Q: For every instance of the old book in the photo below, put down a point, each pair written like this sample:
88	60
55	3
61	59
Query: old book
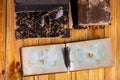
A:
91	12
66	57
41	18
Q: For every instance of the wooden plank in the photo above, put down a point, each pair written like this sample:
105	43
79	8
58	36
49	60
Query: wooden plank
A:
70	17
118	40
30	42
96	74
110	73
73	38
53	76
44	41
93	74
111	31
101	74
79	35
43	77
82	75
35	77
61	76
12	47
2	38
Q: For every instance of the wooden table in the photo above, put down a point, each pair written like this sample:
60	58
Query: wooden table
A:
10	67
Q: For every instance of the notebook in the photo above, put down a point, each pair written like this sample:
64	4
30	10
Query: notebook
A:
41	18
66	57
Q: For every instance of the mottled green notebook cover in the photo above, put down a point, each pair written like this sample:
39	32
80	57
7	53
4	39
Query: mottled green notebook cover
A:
52	59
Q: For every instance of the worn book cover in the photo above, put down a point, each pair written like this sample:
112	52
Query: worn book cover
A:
94	12
41	18
91	12
66	57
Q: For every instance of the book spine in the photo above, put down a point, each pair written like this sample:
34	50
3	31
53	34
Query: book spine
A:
74	9
67	57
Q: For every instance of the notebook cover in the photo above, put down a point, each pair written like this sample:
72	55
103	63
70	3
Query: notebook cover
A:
43	59
51	58
91	54
30	22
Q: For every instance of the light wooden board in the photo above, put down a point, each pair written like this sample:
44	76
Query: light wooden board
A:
13	54
111	31
117	20
96	74
2	39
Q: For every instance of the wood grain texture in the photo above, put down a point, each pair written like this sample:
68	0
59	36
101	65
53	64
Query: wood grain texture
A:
111	31
96	74
30	42
62	76
13	48
43	41
118	41
2	39
80	75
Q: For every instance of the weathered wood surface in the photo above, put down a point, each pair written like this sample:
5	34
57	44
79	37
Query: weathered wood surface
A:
10	54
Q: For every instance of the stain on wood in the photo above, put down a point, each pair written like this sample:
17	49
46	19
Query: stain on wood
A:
17	65
14	71
3	72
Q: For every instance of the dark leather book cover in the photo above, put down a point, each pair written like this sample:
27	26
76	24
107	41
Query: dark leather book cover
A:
94	12
41	18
